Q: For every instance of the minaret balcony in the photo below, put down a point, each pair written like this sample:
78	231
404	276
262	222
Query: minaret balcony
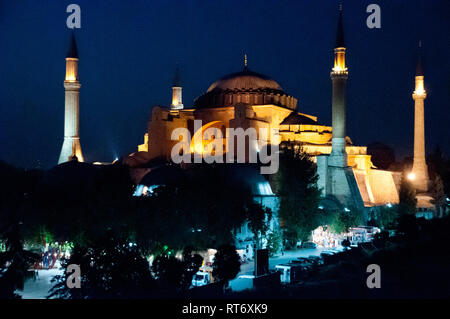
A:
337	72
419	95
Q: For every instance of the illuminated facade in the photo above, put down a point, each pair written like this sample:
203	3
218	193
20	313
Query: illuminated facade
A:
71	145
244	99
248	99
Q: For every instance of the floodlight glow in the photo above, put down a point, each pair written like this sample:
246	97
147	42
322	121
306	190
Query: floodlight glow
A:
411	176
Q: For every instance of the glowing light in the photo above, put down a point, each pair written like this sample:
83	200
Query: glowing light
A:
346	209
339	61
419	91
71	69
411	176
70	77
389	205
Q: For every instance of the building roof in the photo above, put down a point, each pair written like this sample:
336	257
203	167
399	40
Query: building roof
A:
247	87
246	79
296	119
73	51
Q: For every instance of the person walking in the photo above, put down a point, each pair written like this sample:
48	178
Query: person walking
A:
53	258
46	260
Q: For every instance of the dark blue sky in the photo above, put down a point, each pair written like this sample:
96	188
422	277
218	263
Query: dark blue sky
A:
128	50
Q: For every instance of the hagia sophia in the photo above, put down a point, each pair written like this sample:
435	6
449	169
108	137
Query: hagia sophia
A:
248	99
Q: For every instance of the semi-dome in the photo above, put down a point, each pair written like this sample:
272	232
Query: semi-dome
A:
245	87
245	79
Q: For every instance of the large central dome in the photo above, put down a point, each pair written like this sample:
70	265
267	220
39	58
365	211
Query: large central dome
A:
245	80
245	87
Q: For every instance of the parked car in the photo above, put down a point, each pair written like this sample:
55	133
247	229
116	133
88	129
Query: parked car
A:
309	245
201	279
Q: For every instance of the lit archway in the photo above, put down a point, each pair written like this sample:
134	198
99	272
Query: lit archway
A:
199	144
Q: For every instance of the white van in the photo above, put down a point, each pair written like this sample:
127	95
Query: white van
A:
200	279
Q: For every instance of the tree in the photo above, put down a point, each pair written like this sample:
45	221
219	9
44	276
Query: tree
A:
387	218
295	183
168	272
341	221
274	242
439	165
226	264
407	198
192	263
15	262
259	217
202	209
111	267
437	191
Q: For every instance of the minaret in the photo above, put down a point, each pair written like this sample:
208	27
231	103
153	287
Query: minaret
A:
71	146
177	91
339	75
419	174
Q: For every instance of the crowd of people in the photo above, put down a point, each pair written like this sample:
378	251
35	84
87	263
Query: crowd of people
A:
48	259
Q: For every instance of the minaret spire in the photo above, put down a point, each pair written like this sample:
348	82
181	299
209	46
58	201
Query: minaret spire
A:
177	77
73	51
419	173
339	75
340	43
419	68
177	91
71	148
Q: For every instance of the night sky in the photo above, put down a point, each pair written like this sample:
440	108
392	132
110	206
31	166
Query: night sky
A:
128	51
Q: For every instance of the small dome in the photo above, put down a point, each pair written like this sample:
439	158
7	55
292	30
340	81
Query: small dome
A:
246	80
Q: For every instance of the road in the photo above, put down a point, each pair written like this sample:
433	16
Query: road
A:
38	288
238	284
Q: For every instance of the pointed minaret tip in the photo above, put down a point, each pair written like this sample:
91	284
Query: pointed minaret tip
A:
177	77
73	51
340	43
419	68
